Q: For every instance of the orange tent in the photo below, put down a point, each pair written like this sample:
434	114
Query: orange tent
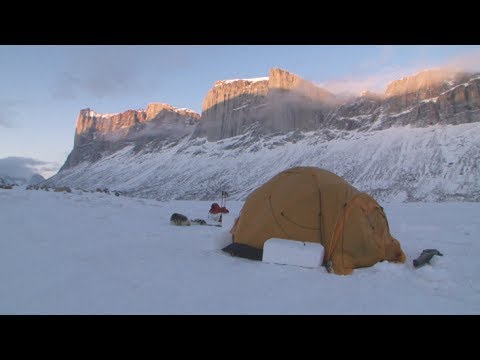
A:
314	205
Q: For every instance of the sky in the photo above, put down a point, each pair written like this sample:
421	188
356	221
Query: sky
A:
43	88
126	258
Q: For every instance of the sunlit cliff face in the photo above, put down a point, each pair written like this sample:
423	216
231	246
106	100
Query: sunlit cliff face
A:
103	124
426	79
278	80
281	102
283	80
229	90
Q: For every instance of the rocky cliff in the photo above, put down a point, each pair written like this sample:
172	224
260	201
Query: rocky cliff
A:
427	98
283	80
424	84
99	133
282	102
231	107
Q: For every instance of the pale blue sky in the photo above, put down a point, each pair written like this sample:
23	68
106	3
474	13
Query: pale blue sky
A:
43	88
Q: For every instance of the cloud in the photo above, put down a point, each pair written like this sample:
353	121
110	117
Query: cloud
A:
381	71
9	112
373	74
20	167
67	86
372	82
106	71
52	168
97	71
466	62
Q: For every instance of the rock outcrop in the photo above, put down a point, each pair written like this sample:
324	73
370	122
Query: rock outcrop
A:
94	126
231	107
281	103
427	98
425	84
280	79
97	133
284	102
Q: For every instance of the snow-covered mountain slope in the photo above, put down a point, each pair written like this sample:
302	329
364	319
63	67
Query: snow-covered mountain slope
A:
418	141
436	163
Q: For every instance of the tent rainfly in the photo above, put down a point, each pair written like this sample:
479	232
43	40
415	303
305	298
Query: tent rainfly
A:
314	205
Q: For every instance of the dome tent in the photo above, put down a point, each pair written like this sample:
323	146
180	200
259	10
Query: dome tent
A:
314	205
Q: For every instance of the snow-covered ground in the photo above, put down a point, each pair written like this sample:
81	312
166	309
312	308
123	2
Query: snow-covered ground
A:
93	253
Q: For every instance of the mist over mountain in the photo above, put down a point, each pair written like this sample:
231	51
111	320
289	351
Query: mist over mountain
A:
20	171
